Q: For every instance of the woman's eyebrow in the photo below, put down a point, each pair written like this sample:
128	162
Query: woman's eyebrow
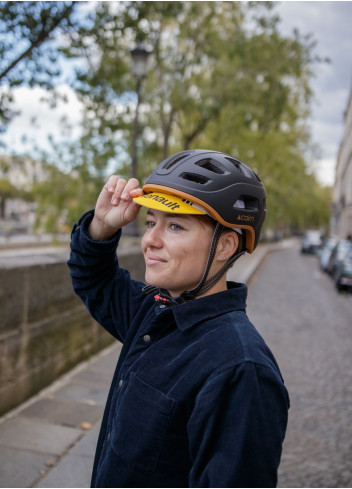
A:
173	215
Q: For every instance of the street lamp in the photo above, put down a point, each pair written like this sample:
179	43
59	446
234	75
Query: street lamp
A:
139	66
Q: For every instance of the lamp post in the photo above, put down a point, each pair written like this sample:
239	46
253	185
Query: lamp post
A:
139	66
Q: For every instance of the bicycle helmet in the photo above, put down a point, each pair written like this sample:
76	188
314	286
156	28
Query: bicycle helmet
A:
214	183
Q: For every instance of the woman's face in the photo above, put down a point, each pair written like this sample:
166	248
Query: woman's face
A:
176	249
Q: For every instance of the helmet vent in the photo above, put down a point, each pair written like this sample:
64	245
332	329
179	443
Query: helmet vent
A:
192	177
212	166
173	160
250	203
241	167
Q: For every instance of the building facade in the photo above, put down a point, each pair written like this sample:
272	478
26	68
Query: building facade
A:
341	218
20	173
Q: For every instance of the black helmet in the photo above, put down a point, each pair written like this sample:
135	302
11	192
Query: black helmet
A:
226	188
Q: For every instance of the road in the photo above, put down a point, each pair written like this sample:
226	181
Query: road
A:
308	326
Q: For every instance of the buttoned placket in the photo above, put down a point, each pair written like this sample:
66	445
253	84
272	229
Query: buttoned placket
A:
148	335
116	394
147	340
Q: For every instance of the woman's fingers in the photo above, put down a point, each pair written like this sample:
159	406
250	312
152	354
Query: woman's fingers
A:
115	206
131	185
120	189
111	183
138	192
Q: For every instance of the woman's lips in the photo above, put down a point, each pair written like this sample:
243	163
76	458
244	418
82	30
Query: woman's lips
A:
151	260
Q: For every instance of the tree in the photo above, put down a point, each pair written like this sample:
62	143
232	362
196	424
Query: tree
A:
7	191
207	67
69	189
28	53
222	76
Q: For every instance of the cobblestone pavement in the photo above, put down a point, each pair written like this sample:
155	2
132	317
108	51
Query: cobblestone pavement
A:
308	326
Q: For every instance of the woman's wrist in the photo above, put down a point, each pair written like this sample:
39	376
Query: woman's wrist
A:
99	231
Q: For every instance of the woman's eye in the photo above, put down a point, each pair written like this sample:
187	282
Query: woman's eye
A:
150	224
175	227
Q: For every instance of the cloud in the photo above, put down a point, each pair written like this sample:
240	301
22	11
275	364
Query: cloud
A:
330	25
325	170
37	120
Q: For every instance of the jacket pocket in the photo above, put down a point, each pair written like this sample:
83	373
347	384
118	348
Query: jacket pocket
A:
140	424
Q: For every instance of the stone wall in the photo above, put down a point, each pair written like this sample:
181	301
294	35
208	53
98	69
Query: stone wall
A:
45	329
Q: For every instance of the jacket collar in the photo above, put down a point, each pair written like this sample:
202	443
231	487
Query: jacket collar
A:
194	312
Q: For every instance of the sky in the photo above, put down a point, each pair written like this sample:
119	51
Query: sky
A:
329	22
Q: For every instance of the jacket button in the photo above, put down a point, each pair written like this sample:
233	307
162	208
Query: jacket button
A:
108	436
146	338
120	383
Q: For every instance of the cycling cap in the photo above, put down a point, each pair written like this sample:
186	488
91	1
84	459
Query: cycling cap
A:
222	186
168	203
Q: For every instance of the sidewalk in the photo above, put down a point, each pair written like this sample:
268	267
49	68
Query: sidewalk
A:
50	440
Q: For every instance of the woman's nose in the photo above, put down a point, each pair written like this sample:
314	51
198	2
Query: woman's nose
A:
152	237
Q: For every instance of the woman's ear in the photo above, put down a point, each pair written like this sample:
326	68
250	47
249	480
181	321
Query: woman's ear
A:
227	245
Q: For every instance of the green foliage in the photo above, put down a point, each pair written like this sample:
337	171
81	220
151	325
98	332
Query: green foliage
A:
28	53
70	188
221	76
9	191
6	189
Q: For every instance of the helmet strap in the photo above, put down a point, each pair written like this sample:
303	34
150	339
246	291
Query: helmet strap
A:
193	293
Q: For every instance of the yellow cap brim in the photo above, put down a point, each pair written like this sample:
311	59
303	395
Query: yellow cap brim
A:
167	203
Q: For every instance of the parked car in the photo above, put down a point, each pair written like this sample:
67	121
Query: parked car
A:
343	273
311	241
325	252
339	252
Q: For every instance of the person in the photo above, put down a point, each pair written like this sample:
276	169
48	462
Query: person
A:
197	398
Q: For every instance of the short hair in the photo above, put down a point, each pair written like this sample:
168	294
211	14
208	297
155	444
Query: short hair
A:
241	237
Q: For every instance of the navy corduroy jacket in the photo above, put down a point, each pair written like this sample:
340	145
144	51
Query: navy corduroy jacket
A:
197	399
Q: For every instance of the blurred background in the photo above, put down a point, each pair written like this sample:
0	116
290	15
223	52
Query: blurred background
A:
93	88
88	89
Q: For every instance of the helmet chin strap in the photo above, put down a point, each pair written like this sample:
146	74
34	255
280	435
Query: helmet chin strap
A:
205	284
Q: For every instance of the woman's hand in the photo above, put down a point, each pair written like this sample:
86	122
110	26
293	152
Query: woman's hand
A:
115	207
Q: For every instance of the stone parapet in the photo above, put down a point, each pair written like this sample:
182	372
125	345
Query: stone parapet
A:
45	329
